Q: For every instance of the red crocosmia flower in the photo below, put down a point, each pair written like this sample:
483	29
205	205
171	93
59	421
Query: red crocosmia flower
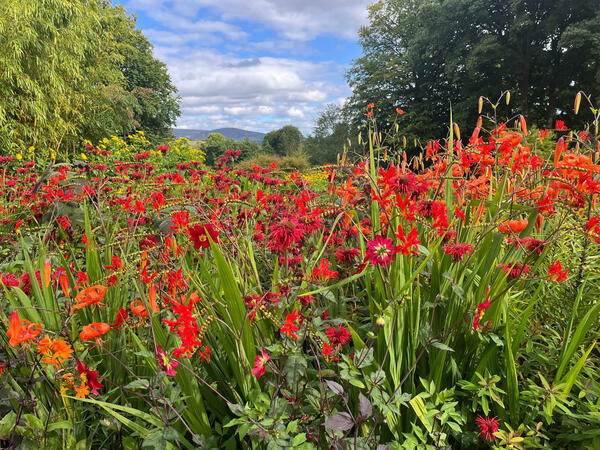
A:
166	363
327	352
556	273
458	251
94	330
120	319
407	241
289	327
181	220
487	427
260	364
380	251
91	377
18	225
321	273
338	336
560	125
21	330
199	235
89	296
480	313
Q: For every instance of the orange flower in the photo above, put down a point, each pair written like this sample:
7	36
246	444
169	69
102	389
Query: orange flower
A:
513	226
47	273
89	296
94	330
20	331
63	279
138	308
55	352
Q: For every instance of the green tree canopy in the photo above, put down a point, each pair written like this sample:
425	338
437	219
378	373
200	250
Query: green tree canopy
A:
330	136
286	141
420	55
75	69
216	144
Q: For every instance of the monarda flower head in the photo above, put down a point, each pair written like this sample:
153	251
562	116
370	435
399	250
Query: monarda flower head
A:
284	234
458	251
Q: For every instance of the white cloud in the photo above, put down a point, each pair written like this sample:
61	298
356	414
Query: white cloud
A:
200	41
299	20
263	93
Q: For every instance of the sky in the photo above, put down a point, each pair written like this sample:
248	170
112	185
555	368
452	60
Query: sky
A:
253	64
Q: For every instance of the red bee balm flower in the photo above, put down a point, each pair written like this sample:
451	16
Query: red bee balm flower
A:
199	235
380	251
338	336
487	427
260	364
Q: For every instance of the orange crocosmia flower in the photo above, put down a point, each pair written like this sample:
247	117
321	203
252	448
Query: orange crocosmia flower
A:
513	226
20	331
89	296
47	273
138	308
94	330
55	351
63	280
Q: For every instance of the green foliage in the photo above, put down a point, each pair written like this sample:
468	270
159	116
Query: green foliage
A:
215	145
330	136
424	55
74	69
286	141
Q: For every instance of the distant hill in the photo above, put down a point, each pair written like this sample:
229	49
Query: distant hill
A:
229	133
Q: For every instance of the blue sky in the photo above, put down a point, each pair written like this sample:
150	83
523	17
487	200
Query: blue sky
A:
254	64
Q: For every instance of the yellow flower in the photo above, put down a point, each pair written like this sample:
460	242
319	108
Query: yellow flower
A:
31	149
83	156
19	156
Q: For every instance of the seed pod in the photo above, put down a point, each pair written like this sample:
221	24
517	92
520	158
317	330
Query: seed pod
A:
457	131
577	103
380	322
507	97
523	124
480	108
404	141
479	121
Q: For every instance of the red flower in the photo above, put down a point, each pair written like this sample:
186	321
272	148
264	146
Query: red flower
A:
487	427
338	336
556	273
94	330
514	270
91	377
166	363
284	234
458	251
322	273
407	241
260	364
560	125
120	318
289	327
380	251
199	235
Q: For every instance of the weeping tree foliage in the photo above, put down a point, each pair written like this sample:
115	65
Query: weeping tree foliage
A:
62	74
420	55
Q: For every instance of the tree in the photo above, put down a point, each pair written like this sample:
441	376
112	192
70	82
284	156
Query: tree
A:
286	141
147	79
421	55
329	137
75	69
216	144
